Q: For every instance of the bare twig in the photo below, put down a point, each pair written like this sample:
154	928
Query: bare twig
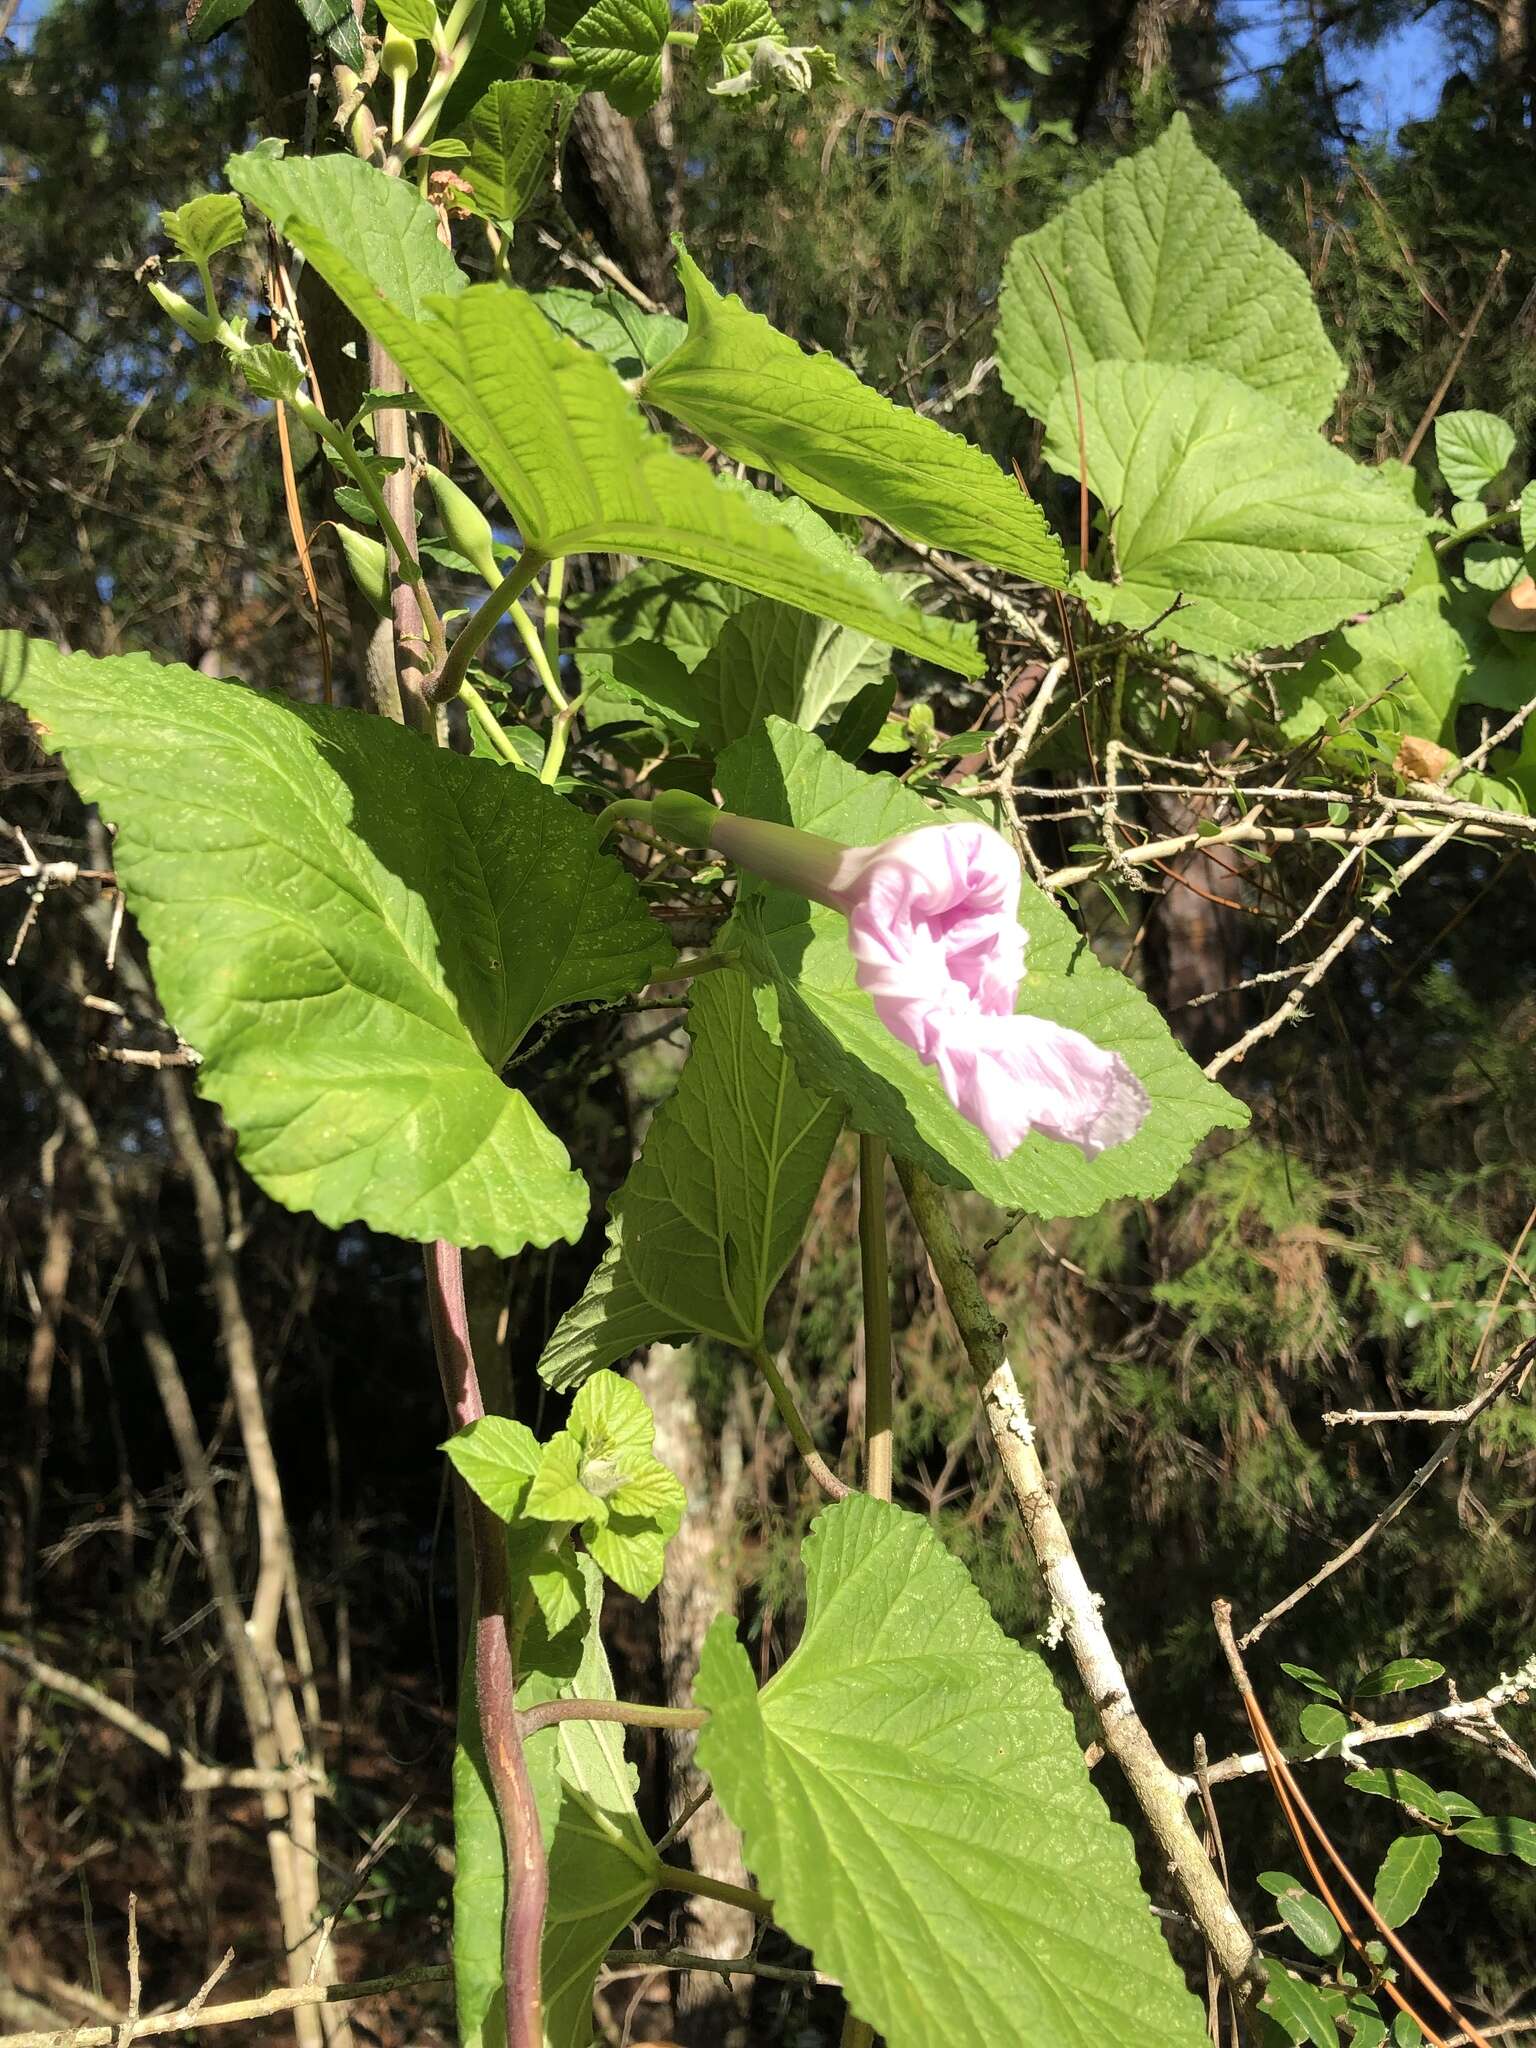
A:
1338	944
1512	1369
1464	342
290	1998
196	1775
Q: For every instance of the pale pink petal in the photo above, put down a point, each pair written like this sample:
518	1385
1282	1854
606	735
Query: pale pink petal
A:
933	927
1013	1075
936	914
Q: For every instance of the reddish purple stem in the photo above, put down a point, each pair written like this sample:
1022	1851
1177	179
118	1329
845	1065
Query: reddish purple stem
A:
495	1675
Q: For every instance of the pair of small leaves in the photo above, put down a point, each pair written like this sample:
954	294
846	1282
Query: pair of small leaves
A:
600	1474
1401	1674
1407	1871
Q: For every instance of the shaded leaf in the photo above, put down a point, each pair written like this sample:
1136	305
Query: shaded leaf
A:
513	135
509	30
602	1867
627	339
715	1206
1298	2006
1503	1834
1402	1786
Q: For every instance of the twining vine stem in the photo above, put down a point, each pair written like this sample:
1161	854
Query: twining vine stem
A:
795	1423
495	1673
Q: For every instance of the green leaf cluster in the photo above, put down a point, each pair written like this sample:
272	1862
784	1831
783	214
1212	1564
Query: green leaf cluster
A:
599	1475
1174	351
551	426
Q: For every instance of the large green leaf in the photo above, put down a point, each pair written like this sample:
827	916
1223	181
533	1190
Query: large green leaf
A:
617	45
343	921
712	1212
561	439
1219	496
811	1002
757	395
602	1867
1160	262
513	133
915	1803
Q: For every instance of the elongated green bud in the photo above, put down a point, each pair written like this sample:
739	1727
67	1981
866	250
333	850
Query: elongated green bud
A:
201	326
465	524
369	562
397	53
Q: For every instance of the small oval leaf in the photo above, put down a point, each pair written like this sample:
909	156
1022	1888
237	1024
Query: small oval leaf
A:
1407	1871
1401	1675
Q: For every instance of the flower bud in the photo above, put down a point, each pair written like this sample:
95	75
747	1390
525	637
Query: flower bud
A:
369	563
465	525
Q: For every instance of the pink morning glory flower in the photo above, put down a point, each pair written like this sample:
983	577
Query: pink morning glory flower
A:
933	925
